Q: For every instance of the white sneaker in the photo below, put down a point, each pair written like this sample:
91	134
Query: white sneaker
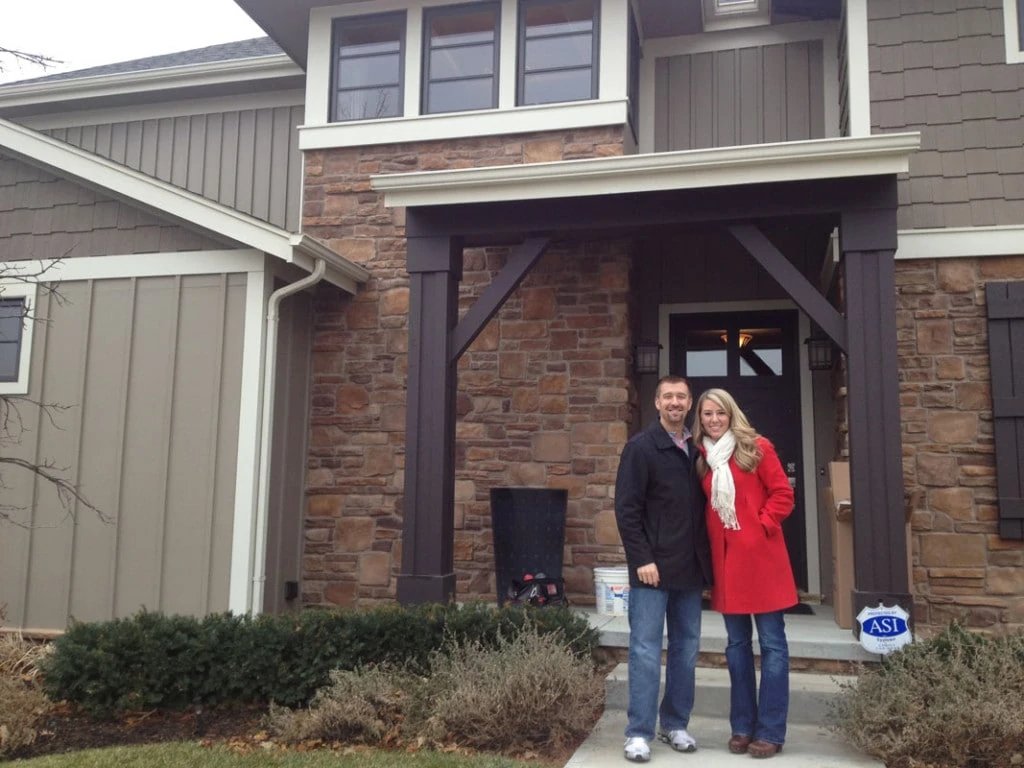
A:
637	749
679	740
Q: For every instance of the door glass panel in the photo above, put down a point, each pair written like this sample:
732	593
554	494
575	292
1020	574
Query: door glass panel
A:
760	352
706	353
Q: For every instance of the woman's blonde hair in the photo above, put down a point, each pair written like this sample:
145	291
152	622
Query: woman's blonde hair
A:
747	454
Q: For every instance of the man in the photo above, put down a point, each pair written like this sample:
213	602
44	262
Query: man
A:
659	507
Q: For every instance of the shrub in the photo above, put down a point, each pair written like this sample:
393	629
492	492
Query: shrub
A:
21	701
530	690
954	700
151	660
361	706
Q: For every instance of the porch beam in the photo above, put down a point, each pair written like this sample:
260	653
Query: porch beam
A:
434	264
876	461
802	291
520	262
637	213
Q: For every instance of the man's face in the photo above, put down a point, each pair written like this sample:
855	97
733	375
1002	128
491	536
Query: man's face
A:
673	403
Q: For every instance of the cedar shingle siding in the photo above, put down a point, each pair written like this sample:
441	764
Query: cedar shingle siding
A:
940	68
1006	349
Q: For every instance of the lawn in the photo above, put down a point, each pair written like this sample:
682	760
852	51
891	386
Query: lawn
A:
195	755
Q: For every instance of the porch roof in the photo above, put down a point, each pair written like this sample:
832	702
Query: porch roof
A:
845	157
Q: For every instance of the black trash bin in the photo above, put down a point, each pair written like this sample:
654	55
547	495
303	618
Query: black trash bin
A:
529	533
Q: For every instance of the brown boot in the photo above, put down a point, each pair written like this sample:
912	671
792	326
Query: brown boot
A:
738	744
762	749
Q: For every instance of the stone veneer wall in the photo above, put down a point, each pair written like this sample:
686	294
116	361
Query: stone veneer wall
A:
545	397
962	569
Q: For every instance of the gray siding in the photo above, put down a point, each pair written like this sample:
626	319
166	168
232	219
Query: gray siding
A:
45	217
149	370
744	96
246	159
288	459
940	69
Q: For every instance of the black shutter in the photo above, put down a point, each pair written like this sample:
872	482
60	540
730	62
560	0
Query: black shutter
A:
1006	354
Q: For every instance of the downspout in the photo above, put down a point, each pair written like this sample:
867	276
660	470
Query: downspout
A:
258	557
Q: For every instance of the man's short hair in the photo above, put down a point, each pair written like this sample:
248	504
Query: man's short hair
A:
670	379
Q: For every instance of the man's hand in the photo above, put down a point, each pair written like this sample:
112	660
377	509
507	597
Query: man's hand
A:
648	574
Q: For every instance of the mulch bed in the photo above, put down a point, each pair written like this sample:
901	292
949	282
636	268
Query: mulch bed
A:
67	728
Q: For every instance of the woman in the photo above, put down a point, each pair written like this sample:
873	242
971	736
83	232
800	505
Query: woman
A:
748	498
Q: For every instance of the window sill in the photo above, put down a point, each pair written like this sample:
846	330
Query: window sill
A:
456	125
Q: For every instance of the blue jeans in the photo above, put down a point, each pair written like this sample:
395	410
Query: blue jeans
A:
648	610
760	715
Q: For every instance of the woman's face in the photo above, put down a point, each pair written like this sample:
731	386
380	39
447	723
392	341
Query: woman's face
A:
713	419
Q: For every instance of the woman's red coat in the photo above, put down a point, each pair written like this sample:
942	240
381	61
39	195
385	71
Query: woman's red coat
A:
751	566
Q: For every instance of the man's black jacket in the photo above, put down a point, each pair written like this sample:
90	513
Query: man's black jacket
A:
659	507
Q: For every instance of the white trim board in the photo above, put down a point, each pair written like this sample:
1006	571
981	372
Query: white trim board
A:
461	125
243	532
960	242
248	70
214	104
140	265
176	203
858	73
690	169
1011	36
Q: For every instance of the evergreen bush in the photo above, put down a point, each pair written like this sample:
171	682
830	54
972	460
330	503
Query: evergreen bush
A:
155	661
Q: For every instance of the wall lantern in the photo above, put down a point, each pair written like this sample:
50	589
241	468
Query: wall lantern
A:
647	357
820	353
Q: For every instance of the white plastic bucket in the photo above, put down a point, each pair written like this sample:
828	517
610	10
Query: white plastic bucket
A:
611	586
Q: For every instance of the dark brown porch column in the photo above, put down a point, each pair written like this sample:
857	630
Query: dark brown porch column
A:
868	240
428	534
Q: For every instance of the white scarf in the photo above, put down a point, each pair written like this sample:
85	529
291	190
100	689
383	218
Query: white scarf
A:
723	488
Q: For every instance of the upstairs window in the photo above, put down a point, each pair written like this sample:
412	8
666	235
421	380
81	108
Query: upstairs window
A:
558	46
368	63
460	61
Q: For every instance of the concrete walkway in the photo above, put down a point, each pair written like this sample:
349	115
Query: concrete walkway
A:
809	744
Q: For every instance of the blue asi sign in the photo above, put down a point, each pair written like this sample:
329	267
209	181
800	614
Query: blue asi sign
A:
884	629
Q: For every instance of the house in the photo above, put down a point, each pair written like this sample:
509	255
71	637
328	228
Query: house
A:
505	204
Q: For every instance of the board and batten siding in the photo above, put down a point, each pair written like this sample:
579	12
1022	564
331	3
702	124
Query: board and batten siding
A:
752	95
46	217
246	159
147	374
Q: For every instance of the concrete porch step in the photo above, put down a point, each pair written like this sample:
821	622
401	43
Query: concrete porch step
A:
807	746
810	695
813	637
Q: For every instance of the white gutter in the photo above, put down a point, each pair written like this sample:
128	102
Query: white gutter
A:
843	157
258	550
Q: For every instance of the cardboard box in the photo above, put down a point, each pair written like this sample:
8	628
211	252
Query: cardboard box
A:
836	499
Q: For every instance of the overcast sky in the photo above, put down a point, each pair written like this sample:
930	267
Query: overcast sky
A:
85	33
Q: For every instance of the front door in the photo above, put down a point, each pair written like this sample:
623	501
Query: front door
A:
754	356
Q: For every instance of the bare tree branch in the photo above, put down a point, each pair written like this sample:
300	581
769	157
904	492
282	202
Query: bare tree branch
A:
14	426
25	58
